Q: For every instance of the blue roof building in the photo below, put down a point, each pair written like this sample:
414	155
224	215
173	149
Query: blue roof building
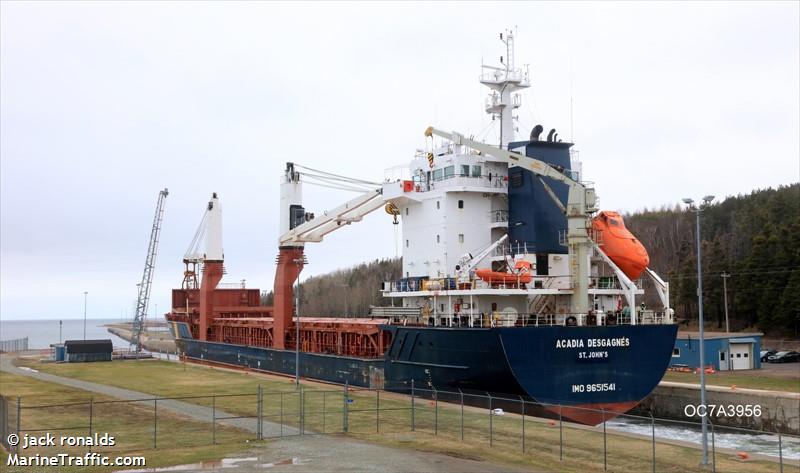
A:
723	351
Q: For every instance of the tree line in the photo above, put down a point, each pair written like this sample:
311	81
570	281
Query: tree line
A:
755	238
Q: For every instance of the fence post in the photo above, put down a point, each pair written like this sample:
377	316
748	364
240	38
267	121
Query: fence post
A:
713	449
19	419
605	443
281	414
323	411
378	411
560	434
302	411
462	413
522	401
412	406
653	427
780	451
435	412
213	419
260	404
491	421
345	425
91	414
155	422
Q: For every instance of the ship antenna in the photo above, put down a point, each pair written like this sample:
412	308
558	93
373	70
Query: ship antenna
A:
504	81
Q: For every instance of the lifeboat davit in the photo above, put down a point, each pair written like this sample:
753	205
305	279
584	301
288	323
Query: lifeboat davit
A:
620	245
520	275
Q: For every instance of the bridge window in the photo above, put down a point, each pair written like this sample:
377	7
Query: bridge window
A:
465	170
460	204
476	171
449	171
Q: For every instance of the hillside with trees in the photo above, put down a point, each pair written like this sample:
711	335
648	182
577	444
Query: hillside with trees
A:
755	238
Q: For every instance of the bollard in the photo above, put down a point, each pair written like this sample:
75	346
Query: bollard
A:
412	406
213	419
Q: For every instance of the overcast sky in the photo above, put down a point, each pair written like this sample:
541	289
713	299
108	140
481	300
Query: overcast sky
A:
104	104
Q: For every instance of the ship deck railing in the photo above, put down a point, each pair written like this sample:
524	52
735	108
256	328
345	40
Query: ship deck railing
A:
551	283
500	319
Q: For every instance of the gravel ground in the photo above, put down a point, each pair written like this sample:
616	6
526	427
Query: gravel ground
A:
309	453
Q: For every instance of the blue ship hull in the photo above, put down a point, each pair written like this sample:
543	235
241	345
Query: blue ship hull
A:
611	367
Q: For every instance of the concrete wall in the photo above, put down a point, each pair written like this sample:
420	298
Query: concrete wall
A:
780	412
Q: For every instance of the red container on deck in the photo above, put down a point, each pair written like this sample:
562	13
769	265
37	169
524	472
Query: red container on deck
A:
408	186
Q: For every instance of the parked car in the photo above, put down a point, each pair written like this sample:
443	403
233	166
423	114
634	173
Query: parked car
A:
766	354
784	357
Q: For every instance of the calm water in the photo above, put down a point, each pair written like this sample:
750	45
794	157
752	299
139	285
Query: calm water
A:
41	333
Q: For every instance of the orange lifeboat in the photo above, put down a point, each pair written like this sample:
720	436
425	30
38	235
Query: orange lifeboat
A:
520	275
620	245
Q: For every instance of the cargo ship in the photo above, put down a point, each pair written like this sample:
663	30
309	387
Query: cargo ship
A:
513	282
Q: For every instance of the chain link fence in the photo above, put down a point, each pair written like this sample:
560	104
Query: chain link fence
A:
483	421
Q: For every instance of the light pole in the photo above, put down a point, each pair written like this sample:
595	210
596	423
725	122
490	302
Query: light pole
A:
725	277
85	295
60	326
697	209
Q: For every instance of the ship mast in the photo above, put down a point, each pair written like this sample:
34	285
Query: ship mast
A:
504	81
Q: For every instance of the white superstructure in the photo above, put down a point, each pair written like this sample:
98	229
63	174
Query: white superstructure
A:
459	266
456	203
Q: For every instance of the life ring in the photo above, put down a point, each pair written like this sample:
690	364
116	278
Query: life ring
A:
571	321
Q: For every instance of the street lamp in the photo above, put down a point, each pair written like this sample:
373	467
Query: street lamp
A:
85	294
697	209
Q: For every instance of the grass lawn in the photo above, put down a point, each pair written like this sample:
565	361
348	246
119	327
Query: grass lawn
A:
180	440
583	447
731	378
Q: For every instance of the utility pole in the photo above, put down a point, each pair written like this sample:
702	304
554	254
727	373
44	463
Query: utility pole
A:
697	210
725	276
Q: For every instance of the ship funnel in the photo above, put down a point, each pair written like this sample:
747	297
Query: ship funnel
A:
537	130
550	134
